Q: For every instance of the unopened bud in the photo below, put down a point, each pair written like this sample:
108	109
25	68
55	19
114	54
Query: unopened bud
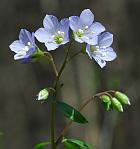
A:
106	102
122	98
43	94
116	104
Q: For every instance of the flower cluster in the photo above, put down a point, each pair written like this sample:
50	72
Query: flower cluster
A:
54	34
115	102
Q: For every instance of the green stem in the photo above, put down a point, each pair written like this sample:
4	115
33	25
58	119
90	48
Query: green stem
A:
49	56
58	75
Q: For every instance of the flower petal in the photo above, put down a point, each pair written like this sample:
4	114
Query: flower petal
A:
50	22
78	39
31	51
42	35
88	51
86	17
100	61
64	25
74	23
20	55
25	37
91	41
108	54
66	40
96	28
105	39
16	46
33	37
25	60
51	46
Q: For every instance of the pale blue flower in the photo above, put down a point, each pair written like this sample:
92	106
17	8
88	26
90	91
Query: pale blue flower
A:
102	52
84	27
24	47
54	33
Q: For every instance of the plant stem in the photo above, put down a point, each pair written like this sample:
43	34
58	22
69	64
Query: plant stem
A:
53	146
58	75
87	101
49	56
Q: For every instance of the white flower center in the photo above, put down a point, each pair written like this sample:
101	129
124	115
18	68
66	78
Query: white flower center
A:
103	54
28	43
80	33
26	48
87	38
58	37
97	48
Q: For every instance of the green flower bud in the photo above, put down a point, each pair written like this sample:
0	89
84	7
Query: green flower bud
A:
122	98
116	104
43	94
106	102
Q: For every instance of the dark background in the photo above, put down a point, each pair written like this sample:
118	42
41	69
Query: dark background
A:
24	121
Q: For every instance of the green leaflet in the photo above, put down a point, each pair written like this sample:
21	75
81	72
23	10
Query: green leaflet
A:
41	145
70	112
75	144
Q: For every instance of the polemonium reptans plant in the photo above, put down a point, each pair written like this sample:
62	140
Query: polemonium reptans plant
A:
97	41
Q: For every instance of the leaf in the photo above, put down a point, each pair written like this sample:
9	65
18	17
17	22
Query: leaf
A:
41	145
71	112
75	144
71	145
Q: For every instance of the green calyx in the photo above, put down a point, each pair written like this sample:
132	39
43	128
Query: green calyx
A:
38	53
122	98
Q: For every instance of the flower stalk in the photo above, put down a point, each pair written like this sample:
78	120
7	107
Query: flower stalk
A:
58	75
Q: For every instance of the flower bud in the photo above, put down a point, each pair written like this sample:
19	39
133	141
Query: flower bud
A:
106	102
116	104
43	94
122	98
